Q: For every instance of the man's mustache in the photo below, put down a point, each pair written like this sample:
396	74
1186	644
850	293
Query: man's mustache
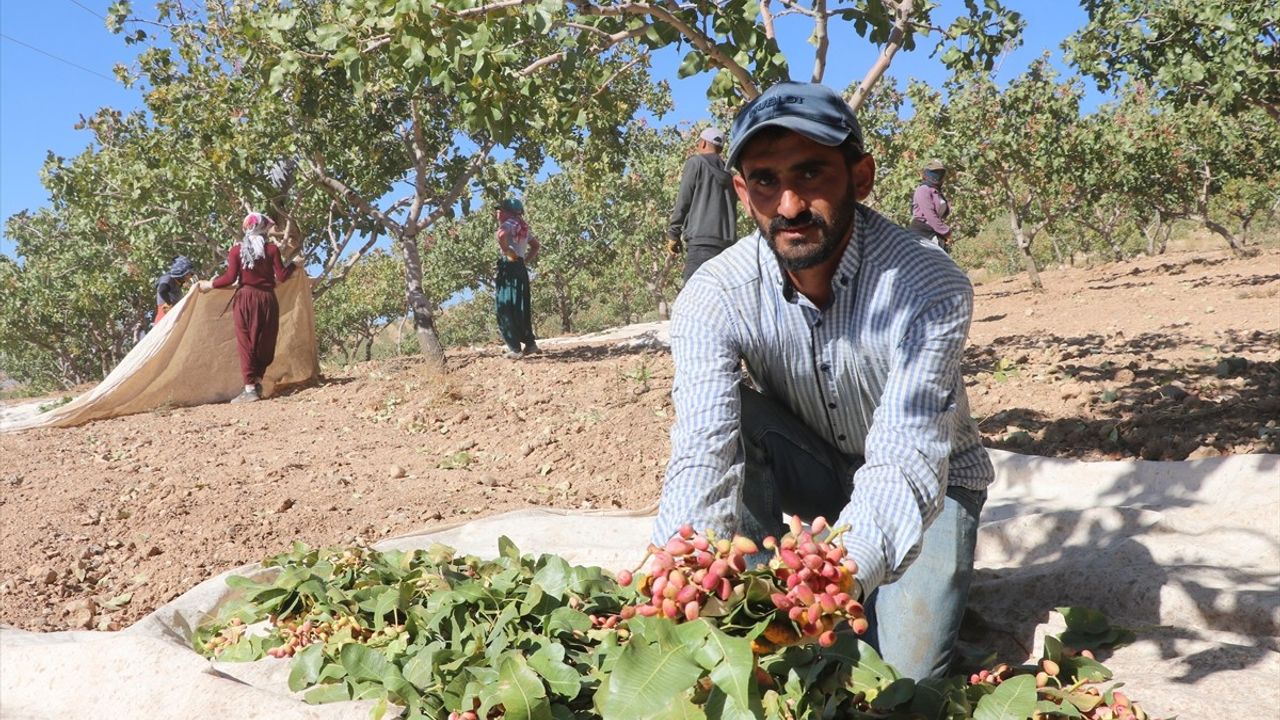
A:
808	218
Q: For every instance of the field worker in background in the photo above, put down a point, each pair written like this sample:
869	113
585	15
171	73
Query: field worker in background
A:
852	333
704	218
255	263
929	207
519	249
169	287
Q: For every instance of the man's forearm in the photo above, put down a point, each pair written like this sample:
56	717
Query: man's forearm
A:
887	515
700	487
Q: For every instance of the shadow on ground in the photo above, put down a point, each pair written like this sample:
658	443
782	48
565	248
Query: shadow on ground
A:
1154	411
1095	550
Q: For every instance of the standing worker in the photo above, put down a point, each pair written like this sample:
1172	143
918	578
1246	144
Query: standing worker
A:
255	263
169	286
519	249
704	218
929	207
852	333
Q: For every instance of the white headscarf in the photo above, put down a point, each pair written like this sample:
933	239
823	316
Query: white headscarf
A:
253	246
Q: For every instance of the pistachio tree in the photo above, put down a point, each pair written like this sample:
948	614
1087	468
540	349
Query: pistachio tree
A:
446	87
1224	52
1019	146
1248	200
69	307
1109	181
1190	155
352	313
80	289
902	146
240	135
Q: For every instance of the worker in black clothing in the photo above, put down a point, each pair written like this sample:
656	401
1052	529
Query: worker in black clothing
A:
704	219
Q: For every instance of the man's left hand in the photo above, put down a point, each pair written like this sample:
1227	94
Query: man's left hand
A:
674	246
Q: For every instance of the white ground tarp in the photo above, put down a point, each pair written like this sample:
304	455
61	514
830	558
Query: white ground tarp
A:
1185	553
188	358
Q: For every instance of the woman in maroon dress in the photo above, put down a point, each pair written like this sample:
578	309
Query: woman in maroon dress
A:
255	264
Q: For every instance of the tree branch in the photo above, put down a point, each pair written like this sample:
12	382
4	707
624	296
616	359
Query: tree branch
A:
613	40
696	37
902	15
605	85
338	190
330	280
588	28
766	15
792	8
418	146
820	33
488	8
459	185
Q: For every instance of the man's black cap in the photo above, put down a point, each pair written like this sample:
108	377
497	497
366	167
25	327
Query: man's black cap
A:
813	110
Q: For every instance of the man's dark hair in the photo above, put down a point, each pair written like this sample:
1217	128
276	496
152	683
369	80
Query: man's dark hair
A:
850	148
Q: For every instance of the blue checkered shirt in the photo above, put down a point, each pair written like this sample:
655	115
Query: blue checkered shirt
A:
877	374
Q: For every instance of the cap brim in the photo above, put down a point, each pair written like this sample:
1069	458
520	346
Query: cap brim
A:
820	133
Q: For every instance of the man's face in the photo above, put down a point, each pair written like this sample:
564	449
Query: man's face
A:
801	194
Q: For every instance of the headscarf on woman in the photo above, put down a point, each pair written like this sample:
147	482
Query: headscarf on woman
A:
253	246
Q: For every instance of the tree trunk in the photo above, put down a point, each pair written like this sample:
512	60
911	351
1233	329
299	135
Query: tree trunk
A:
657	288
1117	252
1157	232
564	305
1024	245
424	323
368	349
400	336
1030	264
1107	227
1226	234
566	318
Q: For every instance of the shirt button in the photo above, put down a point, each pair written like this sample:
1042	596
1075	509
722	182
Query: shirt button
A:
844	279
842	438
817	323
831	406
824	367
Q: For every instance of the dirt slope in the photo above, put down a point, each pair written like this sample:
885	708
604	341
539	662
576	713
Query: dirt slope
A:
1159	358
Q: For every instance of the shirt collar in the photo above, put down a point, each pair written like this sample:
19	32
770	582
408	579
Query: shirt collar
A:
845	272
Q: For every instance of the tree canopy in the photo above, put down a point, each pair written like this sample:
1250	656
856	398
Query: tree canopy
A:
357	123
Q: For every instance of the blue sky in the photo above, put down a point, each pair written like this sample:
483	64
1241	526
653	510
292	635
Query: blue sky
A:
56	58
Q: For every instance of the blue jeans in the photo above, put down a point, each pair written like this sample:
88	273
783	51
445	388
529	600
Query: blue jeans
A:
788	468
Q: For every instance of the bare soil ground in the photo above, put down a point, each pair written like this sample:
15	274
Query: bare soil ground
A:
1160	358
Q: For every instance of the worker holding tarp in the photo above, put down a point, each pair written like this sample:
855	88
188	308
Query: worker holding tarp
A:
255	264
170	286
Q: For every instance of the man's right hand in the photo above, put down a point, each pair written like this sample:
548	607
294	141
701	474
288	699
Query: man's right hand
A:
674	246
